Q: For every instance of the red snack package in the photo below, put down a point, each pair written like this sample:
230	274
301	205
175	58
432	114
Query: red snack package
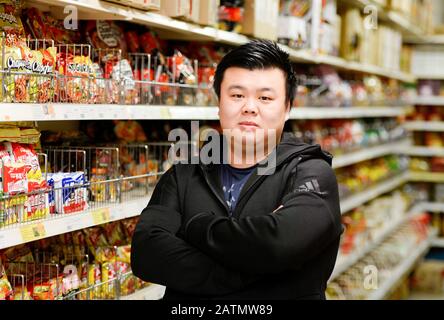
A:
149	42
132	40
105	34
37	24
14	179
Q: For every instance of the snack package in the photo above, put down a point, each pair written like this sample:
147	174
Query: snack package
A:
5	287
95	277
11	134
109	272
129	131
12	210
67	198
123	254
14	178
105	254
95	239
48	289
71	280
21	293
102	34
51	193
28	136
128	285
113	233
76	71
10	22
129	225
37	202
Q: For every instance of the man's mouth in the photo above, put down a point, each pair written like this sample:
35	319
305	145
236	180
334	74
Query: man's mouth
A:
248	124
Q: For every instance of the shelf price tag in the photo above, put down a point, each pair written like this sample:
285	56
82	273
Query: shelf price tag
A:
101	216
33	232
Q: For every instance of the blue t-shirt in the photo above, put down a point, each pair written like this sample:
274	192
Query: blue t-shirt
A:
233	180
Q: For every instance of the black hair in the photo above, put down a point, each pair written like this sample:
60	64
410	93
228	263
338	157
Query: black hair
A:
258	54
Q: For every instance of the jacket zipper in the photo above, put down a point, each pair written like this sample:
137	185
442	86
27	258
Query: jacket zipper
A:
215	192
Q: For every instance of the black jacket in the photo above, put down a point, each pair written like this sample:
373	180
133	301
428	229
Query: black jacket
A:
186	241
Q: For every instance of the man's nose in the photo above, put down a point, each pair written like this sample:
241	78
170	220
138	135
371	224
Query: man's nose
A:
249	106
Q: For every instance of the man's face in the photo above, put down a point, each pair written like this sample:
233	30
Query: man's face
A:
251	100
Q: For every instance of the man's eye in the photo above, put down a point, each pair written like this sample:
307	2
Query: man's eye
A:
237	96
264	98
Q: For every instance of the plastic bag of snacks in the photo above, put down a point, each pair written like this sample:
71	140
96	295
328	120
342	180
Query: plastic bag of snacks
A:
75	70
69	196
50	289
5	287
37	203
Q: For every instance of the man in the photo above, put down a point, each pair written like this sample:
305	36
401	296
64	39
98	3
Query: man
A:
224	231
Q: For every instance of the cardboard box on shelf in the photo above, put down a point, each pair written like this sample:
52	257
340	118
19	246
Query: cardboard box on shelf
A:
182	9
293	29
139	4
260	18
208	12
175	8
352	35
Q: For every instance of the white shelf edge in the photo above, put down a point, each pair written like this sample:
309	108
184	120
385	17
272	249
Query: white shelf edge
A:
437	126
354	257
371	193
433	206
152	292
437	243
11	235
369	153
402	269
429	101
434	177
420	151
427	40
73	111
345	112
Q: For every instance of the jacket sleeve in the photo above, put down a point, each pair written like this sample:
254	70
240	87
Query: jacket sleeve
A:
158	255
308	222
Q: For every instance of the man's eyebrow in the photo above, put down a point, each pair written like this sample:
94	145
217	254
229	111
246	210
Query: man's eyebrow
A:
236	86
241	87
266	89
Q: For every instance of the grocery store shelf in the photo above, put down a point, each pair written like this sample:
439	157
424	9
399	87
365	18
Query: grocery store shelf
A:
425	126
175	29
369	153
59	224
426	39
403	269
360	253
371	193
346	112
418	176
152	292
433	206
422	151
364	68
437	243
72	111
429	101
